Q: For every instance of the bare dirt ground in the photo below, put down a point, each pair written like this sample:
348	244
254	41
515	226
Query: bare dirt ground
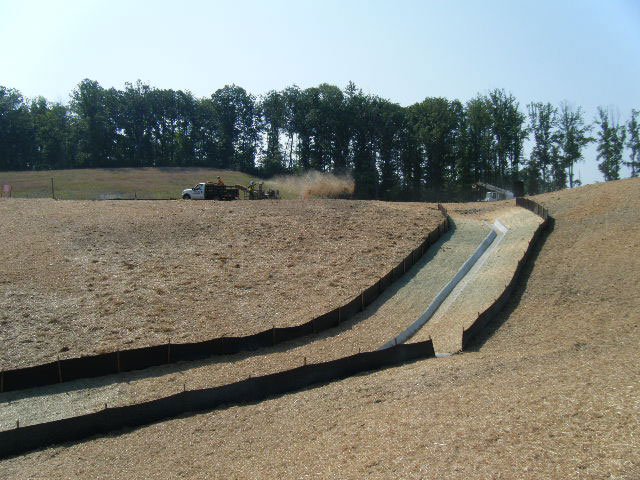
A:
552	390
82	277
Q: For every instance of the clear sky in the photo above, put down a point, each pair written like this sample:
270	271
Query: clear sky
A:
583	52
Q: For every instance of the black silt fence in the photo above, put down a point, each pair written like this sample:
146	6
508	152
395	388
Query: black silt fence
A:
284	334
417	254
533	206
386	281
398	271
36	376
145	357
92	366
371	294
350	309
328	320
408	262
27	438
190	351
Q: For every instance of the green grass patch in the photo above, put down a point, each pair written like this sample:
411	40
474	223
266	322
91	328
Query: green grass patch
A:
128	183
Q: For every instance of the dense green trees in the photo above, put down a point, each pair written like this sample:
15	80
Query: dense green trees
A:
433	150
611	138
559	139
17	142
53	146
573	136
633	127
543	166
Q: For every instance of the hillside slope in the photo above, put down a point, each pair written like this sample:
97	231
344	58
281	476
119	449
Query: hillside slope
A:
552	391
84	277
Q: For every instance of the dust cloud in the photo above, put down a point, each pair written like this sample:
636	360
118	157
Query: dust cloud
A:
316	185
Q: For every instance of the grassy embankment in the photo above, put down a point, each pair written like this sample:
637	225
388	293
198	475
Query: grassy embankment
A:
93	184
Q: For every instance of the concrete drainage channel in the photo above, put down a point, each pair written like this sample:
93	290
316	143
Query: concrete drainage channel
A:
479	256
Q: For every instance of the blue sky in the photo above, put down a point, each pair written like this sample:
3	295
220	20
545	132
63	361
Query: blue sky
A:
583	52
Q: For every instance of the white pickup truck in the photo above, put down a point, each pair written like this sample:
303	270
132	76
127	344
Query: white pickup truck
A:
210	191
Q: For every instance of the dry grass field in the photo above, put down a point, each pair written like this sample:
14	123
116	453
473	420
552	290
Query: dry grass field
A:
83	277
105	183
551	391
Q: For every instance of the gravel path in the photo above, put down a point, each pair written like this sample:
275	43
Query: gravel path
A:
398	307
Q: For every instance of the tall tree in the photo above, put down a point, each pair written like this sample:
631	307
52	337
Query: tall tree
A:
187	133
390	125
298	106
633	127
51	130
436	123
365	118
544	158
17	146
328	125
208	135
95	114
573	136
611	137
410	165
136	123
273	108
478	145
237	118
163	126
509	133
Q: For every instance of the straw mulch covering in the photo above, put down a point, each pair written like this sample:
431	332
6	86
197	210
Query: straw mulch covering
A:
390	314
87	277
550	392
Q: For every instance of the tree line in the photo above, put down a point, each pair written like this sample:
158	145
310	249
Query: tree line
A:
433	150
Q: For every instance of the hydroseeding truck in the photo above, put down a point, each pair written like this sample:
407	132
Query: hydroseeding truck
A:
210	191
